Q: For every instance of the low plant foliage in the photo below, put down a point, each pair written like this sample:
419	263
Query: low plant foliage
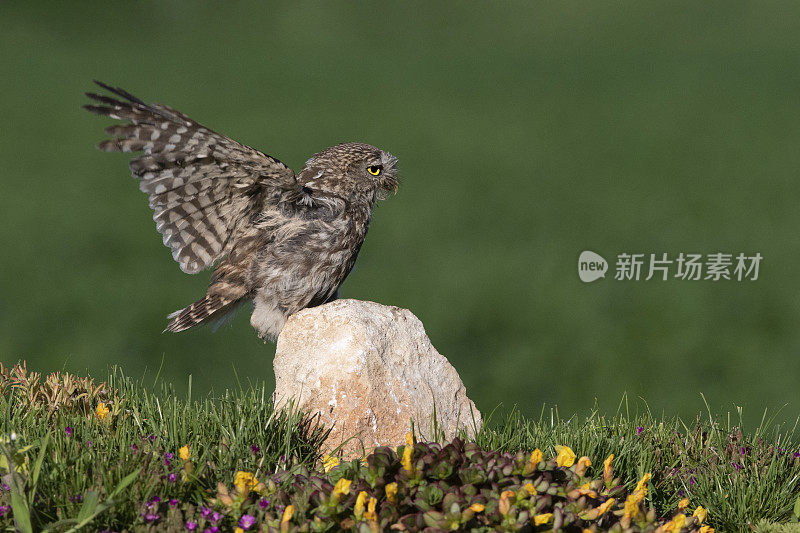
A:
120	456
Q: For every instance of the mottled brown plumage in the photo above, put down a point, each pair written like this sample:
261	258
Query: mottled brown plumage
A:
285	241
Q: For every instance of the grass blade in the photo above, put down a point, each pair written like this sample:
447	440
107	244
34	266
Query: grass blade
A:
127	480
37	468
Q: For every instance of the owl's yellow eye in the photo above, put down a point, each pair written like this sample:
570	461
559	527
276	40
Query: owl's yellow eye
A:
375	170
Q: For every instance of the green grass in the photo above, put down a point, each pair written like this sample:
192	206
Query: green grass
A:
739	477
742	477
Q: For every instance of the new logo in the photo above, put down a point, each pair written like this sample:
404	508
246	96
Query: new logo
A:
591	266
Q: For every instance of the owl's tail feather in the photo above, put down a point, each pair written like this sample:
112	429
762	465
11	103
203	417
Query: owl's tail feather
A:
212	308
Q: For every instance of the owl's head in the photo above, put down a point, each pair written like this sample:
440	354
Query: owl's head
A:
351	169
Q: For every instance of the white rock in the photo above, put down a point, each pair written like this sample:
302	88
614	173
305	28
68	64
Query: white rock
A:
368	370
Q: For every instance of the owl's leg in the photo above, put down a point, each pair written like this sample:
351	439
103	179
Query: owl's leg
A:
334	296
268	318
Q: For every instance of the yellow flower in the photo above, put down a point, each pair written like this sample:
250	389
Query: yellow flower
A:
530	488
607	472
410	439
239	530
504	505
342	487
631	508
370	514
706	529
700	513
565	457
477	507
540	519
583	463
244	481
587	492
184	453
102	411
391	492
359	508
683	504
642	485
536	457
407	457
604	507
287	513
329	462
676	524
632	504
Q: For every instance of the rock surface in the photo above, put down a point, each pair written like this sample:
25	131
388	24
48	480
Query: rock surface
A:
368	370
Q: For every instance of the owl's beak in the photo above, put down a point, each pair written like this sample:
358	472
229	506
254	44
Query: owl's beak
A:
391	184
387	187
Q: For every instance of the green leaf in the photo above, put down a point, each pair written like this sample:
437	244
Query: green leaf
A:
22	516
90	500
796	511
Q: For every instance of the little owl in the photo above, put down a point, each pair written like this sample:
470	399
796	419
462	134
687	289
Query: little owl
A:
285	241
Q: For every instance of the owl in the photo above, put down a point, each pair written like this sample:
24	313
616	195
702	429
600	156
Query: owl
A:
279	239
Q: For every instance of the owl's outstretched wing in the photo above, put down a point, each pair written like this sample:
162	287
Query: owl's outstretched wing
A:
204	187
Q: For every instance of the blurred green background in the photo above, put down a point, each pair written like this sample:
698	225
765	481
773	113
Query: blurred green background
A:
526	133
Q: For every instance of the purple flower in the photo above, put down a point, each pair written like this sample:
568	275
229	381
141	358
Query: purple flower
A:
68	431
216	517
639	430
247	521
76	499
172	478
5	487
737	466
742	451
134	448
691	480
173	502
796	455
255	449
89	445
283	458
151	517
212	529
264	503
205	512
4	509
191	526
